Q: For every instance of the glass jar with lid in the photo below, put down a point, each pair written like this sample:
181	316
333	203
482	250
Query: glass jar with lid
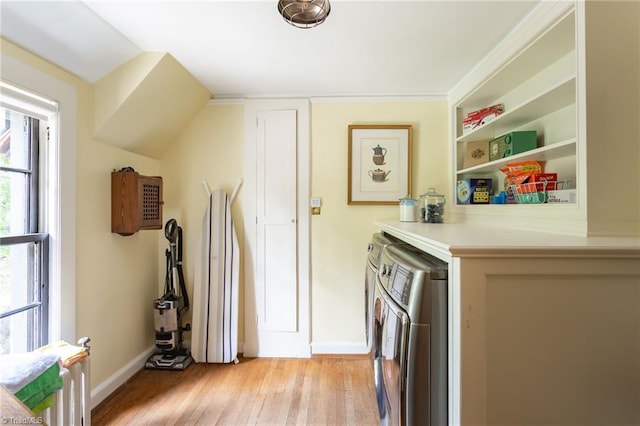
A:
408	209
432	207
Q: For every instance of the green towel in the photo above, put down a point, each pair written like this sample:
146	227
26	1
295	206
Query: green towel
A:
46	403
36	392
31	377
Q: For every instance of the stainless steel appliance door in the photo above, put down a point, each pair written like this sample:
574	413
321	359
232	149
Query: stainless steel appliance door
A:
378	321
369	284
393	353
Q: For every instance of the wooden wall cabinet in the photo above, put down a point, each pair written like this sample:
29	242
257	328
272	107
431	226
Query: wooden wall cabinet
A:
136	202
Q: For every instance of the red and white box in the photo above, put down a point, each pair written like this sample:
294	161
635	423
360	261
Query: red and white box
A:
540	177
482	116
550	178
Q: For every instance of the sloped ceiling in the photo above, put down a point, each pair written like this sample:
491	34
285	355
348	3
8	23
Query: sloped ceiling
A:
245	49
144	104
68	34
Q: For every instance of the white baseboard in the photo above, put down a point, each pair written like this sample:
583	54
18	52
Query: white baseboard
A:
339	348
106	388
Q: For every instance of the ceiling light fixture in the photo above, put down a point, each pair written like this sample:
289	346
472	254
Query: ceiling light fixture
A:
304	13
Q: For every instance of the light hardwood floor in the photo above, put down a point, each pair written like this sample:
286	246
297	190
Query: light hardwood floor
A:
325	390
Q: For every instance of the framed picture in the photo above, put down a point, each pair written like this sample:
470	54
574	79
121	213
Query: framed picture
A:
379	163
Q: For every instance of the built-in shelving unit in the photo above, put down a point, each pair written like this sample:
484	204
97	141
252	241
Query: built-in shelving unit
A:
537	86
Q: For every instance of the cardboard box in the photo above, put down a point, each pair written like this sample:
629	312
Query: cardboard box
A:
483	112
542	177
512	143
474	191
480	117
477	152
562	196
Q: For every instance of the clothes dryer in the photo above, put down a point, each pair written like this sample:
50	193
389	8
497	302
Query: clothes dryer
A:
410	337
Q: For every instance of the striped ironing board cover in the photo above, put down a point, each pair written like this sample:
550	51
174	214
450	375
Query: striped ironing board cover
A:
214	336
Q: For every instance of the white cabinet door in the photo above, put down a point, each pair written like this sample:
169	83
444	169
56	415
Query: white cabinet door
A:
276	283
276	227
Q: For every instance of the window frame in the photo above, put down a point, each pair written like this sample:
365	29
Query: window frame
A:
56	101
41	239
38	260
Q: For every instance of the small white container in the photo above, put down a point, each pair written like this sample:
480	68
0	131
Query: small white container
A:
408	209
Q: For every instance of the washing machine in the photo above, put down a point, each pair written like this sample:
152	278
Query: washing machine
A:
410	337
378	241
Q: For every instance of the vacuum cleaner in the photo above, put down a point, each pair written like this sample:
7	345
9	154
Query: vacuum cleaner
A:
171	308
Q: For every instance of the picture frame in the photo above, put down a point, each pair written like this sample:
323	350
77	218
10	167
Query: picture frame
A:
379	161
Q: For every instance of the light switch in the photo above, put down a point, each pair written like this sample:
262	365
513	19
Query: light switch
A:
316	203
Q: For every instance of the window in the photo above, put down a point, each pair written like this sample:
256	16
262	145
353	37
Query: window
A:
55	102
24	252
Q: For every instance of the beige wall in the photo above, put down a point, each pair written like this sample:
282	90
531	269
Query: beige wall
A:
117	276
211	148
340	234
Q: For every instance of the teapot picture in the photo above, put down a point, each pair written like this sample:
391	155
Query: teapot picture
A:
378	150
378	175
378	155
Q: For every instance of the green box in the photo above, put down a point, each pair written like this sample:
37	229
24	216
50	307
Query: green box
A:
512	143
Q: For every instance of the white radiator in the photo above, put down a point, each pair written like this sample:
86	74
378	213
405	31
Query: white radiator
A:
72	403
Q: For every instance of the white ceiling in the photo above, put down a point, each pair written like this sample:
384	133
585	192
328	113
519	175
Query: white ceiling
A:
244	48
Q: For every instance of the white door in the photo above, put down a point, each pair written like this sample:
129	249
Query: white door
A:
276	261
276	278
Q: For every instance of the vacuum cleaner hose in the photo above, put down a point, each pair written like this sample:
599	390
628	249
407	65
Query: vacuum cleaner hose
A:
171	230
183	287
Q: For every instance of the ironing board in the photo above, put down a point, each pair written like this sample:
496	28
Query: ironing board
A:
214	335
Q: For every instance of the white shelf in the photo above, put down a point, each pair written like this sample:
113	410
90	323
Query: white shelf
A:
553	44
556	97
538	87
557	150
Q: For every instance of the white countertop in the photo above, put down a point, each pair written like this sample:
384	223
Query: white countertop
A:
447	240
